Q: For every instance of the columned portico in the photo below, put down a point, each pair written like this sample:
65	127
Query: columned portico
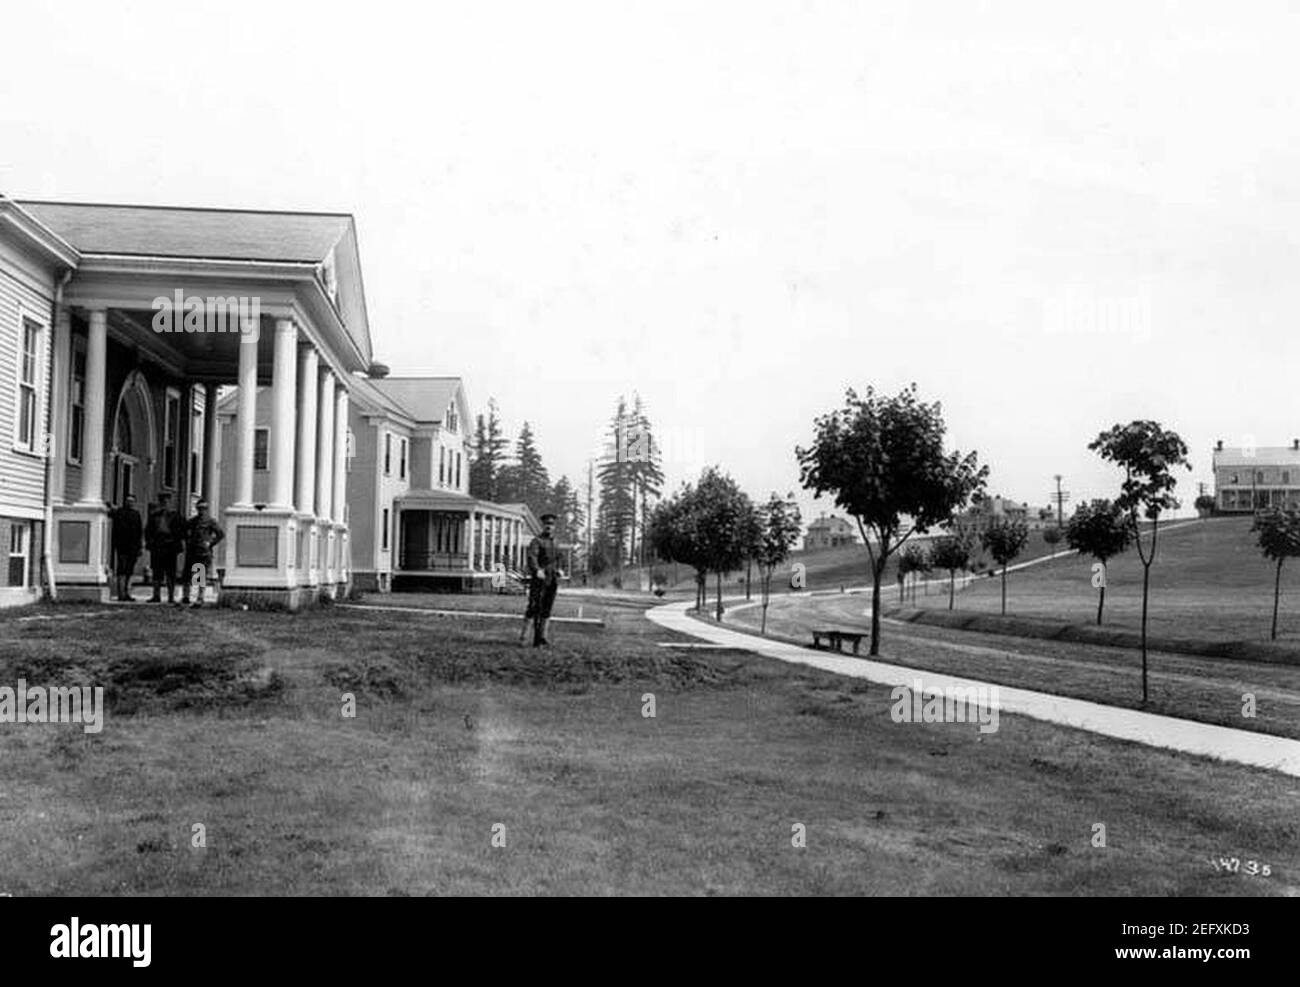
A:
81	528
142	339
305	500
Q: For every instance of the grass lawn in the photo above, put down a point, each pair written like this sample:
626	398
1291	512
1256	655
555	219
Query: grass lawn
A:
1209	581
233	720
1206	689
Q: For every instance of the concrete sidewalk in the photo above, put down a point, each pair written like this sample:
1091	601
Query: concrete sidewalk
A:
1186	736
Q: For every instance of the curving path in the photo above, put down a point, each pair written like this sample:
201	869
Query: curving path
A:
1187	736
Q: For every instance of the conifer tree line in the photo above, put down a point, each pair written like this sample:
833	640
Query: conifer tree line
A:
629	479
520	477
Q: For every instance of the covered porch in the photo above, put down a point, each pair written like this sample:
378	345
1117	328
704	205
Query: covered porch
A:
449	539
166	308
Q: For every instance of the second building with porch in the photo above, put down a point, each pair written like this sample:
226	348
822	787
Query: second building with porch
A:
414	523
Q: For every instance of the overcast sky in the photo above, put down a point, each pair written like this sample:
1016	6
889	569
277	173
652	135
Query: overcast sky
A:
1050	219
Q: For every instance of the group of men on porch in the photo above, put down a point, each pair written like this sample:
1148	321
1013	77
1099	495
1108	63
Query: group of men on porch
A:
168	536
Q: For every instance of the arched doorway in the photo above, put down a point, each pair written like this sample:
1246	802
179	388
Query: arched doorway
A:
130	466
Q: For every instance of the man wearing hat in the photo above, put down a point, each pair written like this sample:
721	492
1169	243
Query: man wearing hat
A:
202	533
543	581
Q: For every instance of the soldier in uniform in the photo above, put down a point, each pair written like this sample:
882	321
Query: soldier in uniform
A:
163	535
202	534
128	537
543	581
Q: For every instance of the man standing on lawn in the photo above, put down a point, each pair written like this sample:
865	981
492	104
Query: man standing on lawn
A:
163	537
128	536
202	534
543	581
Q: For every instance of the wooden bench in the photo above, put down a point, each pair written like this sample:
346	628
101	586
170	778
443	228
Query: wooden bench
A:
836	639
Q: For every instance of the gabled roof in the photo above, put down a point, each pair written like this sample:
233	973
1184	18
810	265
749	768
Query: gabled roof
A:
35	233
213	234
244	235
1262	456
424	399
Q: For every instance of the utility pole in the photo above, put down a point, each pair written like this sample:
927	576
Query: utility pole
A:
590	518
1059	497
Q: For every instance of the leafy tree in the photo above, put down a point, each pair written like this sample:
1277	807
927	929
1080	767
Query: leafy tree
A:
778	529
1148	454
883	459
1004	539
1052	536
1278	532
723	516
950	552
1102	530
1205	503
910	560
673	534
914	560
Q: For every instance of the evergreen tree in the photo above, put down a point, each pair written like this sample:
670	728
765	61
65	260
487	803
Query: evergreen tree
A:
617	513
532	481
488	455
646	474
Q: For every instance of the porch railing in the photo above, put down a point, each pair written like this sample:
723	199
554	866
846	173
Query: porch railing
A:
420	560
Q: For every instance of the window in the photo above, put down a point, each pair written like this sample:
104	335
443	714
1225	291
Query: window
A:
1259	476
28	369
388	454
19	544
451	417
401	462
384	544
171	437
457	471
1286	477
261	448
77	402
442	466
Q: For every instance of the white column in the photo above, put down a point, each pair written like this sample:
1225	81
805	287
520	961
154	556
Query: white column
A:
340	454
284	374
246	413
59	377
92	458
210	439
308	391
325	448
469	539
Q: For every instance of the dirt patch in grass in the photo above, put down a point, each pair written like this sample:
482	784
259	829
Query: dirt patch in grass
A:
158	664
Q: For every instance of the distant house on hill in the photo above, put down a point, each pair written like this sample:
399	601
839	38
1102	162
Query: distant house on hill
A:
994	508
829	532
1249	479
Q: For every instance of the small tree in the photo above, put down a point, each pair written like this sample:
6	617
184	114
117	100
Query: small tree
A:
779	528
1278	532
724	518
1052	537
883	459
950	552
1004	539
1148	454
913	560
1101	530
674	535
1204	505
